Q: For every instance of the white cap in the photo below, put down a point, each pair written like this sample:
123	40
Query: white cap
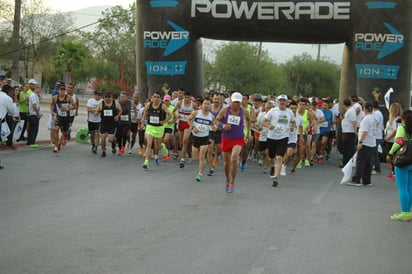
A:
236	97
32	81
283	96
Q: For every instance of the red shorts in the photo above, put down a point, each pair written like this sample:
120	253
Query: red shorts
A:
228	144
182	125
256	134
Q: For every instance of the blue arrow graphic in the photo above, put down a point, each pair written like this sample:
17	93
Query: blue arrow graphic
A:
175	44
390	47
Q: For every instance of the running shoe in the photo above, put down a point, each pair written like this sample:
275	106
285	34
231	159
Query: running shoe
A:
260	162
402	217
211	172
353	184
119	152
265	170
175	156
129	151
275	182
56	149
272	172
390	177
94	148
141	151
64	142
227	187
214	163
166	158
231	188
299	165
103	154
199	177
182	163
320	160
145	164
34	145
242	167
157	162
307	163
113	150
283	170
122	149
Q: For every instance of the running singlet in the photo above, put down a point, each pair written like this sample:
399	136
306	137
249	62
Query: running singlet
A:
135	116
62	104
108	113
155	115
202	123
185	111
237	124
305	121
125	117
73	111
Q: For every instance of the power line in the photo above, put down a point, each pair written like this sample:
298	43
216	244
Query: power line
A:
49	39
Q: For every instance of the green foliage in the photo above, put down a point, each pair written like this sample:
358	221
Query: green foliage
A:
310	77
114	40
239	66
70	53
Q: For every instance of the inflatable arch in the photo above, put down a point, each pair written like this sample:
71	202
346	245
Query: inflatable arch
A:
377	37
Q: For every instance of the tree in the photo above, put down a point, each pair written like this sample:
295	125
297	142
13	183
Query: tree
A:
240	66
70	53
310	77
16	41
114	40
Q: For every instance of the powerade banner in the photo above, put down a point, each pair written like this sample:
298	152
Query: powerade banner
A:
376	33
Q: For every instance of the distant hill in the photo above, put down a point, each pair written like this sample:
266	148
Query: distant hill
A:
87	16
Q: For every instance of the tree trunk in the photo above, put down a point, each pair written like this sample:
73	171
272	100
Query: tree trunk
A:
16	41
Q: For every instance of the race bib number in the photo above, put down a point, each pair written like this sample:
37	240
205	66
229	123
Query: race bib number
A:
279	129
324	124
62	113
108	112
202	128
124	117
154	120
184	118
233	120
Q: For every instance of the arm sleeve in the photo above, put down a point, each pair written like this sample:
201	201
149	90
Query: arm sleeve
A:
400	133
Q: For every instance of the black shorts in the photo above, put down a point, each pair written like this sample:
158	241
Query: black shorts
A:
133	127
92	127
71	119
197	142
292	145
216	136
63	123
263	145
168	130
277	147
108	130
325	134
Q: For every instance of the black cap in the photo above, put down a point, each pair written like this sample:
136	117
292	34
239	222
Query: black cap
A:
354	98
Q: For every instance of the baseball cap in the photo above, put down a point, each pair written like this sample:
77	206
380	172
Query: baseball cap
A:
167	98
61	85
283	97
236	97
354	98
32	81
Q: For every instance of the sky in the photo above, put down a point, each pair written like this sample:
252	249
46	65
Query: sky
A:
280	52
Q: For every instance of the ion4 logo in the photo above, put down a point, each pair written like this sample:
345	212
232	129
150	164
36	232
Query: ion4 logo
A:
169	40
164	3
377	71
166	68
385	43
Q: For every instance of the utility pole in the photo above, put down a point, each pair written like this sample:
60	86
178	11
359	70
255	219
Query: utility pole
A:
15	67
318	58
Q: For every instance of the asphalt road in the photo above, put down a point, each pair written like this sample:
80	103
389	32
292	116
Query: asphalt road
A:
74	212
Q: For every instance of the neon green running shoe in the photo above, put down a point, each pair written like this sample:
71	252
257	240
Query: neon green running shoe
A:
402	217
299	164
307	163
199	177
